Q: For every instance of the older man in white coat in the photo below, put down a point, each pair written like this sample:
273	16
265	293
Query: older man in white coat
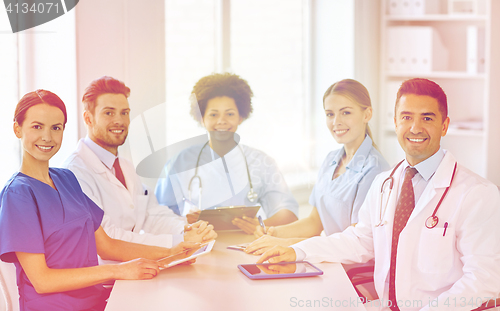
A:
435	236
132	212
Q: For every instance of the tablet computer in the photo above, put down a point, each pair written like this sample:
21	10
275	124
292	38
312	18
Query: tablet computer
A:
176	259
221	218
295	269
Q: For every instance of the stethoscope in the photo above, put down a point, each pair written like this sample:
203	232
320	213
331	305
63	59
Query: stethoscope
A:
431	221
251	195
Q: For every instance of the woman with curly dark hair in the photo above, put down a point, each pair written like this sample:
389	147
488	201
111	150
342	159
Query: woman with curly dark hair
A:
229	174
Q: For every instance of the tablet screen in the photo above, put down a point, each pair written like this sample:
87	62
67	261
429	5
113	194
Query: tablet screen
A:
284	268
173	260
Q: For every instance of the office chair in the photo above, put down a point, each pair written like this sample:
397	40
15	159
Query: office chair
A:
362	276
8	285
489	305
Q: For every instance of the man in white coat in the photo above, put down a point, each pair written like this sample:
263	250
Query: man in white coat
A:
132	212
440	256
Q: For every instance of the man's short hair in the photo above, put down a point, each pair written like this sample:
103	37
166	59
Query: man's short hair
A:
103	85
424	87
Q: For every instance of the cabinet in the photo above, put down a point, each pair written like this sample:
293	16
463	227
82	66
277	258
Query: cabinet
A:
473	89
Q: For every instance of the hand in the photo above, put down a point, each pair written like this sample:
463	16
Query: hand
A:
184	247
193	217
247	224
265	243
137	269
259	231
278	254
200	232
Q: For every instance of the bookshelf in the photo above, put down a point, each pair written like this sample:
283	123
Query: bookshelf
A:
473	92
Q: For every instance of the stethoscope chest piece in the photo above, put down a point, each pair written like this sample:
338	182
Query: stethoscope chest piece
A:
252	196
431	221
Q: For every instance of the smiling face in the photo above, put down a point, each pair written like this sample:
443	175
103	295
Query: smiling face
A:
221	118
346	120
108	125
419	126
41	133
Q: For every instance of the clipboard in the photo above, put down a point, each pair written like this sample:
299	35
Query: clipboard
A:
221	218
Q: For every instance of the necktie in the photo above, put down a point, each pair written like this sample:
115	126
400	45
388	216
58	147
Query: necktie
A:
119	172
404	207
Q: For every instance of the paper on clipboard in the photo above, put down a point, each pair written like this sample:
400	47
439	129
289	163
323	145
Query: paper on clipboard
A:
222	217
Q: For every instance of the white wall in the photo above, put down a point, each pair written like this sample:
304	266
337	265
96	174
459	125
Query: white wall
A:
124	39
332	60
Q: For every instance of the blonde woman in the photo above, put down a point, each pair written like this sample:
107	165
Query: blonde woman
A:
344	177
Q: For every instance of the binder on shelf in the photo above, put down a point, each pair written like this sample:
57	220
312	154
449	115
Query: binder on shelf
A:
472	49
394	7
423	7
391	89
481	50
393	49
413	7
404	7
417	49
475	49
462	7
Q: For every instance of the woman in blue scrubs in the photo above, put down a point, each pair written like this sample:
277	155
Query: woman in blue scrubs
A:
51	230
344	177
220	172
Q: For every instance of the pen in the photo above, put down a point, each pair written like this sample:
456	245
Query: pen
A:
262	224
445	227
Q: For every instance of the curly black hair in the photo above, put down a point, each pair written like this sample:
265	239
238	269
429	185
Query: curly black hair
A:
218	85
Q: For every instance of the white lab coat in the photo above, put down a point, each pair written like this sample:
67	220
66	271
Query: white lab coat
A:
129	210
463	265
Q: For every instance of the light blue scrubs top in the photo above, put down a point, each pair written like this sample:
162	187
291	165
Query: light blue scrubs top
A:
224	181
338	201
35	218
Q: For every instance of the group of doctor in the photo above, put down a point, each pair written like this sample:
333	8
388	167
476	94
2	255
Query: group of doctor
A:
429	224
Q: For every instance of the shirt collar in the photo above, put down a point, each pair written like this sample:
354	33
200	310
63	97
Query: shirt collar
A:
106	157
362	153
428	167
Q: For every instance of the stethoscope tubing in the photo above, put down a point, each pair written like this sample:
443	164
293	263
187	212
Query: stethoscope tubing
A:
432	220
252	196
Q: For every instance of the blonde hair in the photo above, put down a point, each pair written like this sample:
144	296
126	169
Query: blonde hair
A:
356	92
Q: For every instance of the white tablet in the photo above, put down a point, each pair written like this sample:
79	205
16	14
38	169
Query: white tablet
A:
176	259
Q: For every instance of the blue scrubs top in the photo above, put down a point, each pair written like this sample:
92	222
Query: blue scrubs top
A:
338	200
36	218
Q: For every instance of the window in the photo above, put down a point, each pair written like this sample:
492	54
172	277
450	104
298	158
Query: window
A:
9	156
288	51
40	58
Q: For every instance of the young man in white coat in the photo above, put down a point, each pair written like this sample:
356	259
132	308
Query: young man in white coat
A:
132	212
428	255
